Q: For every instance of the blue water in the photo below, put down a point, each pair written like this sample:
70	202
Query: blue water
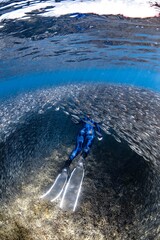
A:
39	51
139	78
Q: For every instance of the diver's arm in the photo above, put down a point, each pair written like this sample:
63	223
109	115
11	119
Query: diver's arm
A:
98	132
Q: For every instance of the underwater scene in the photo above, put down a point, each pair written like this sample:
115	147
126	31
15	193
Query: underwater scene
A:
79	120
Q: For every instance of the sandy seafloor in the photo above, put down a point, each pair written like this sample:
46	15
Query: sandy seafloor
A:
107	205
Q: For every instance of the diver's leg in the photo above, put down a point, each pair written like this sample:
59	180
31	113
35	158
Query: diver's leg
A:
88	145
76	151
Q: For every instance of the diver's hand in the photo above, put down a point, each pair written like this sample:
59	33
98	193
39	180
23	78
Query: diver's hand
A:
100	138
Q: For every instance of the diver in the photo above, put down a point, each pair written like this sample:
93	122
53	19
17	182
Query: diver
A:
68	185
84	139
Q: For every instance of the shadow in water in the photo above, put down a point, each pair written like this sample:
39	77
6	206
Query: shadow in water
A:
122	188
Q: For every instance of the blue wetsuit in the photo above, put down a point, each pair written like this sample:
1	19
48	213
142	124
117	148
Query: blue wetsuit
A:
85	138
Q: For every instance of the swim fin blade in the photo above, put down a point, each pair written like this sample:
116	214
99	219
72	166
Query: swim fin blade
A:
72	189
57	187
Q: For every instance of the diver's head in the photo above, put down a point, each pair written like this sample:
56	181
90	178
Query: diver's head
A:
88	116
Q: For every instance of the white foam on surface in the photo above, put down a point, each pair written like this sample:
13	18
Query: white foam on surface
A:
128	8
21	13
136	8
